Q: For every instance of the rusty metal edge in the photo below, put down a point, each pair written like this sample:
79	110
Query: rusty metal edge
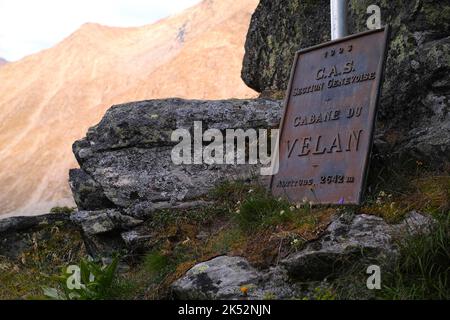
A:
386	29
375	104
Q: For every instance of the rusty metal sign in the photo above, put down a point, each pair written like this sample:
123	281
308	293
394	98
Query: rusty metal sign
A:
328	122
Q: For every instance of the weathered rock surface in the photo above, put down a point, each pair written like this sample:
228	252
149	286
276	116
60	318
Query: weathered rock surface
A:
277	30
414	118
223	277
126	159
17	224
88	194
220	278
102	230
348	240
103	221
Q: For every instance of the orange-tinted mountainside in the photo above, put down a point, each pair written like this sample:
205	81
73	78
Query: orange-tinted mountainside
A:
49	99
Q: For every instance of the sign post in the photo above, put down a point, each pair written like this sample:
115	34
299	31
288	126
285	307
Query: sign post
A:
338	19
329	117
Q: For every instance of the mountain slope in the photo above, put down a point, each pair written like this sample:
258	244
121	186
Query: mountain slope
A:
51	98
3	61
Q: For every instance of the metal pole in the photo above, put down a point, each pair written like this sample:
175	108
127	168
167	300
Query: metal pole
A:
338	19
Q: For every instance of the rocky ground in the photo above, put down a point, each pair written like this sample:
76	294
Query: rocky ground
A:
242	244
342	245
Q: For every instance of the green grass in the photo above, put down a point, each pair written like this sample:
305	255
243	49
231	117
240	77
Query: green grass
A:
53	247
230	192
423	270
157	264
261	210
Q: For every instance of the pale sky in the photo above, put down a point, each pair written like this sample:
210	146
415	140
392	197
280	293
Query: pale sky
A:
28	26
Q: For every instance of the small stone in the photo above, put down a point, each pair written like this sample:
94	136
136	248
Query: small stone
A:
202	236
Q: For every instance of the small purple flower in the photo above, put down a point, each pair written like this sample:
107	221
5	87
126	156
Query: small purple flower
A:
341	201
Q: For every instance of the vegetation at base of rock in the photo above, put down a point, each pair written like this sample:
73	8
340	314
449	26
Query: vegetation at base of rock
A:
322	292
259	234
62	210
49	248
177	246
262	210
246	222
423	270
395	192
96	282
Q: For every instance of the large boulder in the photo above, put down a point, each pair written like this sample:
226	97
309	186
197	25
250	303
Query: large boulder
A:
414	121
126	160
127	173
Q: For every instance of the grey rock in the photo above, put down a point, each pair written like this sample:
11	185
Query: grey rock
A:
223	277
130	237
88	194
275	284
103	221
144	209
102	231
128	154
202	235
349	240
414	119
415	223
278	29
220	278
17	224
134	238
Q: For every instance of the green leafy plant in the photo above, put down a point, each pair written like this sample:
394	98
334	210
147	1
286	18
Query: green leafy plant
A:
95	282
